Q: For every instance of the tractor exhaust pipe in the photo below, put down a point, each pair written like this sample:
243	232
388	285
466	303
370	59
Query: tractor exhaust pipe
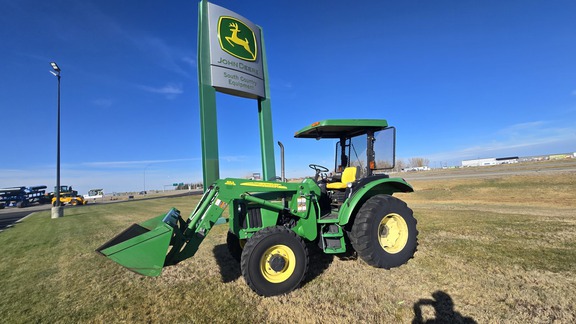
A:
283	175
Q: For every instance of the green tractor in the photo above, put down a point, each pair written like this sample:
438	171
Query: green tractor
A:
346	210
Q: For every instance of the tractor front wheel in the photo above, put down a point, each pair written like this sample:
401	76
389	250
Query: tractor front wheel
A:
274	261
384	232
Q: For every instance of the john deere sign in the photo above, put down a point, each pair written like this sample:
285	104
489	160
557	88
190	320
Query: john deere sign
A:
236	66
232	60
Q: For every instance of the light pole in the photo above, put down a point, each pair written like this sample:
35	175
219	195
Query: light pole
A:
146	167
57	210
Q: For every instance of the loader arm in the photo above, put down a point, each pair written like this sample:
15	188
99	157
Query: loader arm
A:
167	239
188	235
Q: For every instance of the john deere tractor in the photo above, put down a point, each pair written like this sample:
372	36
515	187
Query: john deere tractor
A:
346	209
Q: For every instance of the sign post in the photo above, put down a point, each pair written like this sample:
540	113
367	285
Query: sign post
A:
207	95
231	60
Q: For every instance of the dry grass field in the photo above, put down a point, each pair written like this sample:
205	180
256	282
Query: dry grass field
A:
492	250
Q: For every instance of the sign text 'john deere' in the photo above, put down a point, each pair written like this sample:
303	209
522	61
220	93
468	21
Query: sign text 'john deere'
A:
235	63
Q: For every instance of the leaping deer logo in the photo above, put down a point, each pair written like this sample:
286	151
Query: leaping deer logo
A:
247	43
234	39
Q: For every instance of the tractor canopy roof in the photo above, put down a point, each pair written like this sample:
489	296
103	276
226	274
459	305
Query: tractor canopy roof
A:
338	128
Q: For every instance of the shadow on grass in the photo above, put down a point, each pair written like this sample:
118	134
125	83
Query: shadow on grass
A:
443	306
318	262
230	268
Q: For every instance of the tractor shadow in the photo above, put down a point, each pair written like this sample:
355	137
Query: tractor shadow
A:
443	307
230	268
318	262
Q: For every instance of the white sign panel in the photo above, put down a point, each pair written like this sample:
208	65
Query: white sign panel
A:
235	54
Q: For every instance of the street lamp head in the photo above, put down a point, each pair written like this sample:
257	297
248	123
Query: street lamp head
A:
55	66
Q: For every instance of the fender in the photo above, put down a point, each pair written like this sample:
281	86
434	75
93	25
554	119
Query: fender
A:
367	188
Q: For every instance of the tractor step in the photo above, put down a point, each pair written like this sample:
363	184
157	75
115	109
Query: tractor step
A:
331	218
333	239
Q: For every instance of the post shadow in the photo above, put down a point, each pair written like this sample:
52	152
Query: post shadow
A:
443	310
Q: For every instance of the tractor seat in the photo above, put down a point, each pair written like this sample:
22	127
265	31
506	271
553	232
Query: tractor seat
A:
349	175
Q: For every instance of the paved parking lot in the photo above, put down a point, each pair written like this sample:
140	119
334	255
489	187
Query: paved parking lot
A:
10	215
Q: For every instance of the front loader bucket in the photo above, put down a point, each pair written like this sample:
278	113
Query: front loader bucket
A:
165	240
142	247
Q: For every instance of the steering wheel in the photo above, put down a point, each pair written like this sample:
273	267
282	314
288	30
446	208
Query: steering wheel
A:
319	169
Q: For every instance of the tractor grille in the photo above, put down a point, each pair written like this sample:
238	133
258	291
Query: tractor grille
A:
252	219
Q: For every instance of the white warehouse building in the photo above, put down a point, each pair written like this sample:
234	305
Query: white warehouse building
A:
479	162
489	161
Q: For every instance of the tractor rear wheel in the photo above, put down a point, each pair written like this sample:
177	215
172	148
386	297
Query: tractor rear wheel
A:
274	261
384	232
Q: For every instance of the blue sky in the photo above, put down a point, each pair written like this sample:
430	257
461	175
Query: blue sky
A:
459	79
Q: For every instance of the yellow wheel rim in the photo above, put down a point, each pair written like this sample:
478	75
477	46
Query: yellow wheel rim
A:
393	233
277	263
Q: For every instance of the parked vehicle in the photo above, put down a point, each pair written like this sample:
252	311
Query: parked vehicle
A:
94	194
23	196
68	196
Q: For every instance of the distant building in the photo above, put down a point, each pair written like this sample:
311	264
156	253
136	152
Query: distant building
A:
561	156
479	162
515	159
422	168
507	160
489	161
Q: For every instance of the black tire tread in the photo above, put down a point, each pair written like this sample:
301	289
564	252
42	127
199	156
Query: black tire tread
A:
253	242
369	250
